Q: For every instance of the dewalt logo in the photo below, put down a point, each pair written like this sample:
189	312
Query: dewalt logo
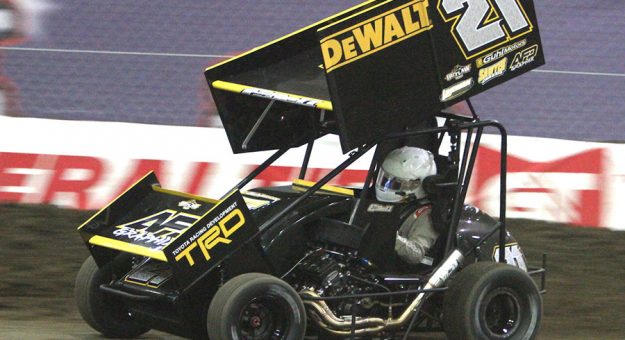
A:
375	34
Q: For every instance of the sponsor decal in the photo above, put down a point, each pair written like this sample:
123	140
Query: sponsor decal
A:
375	34
282	97
513	255
189	205
581	188
52	179
376	207
570	189
216	232
498	54
489	73
525	57
144	237
157	230
456	90
458	72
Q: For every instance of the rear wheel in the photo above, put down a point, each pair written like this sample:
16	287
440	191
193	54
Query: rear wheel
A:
103	313
256	306
489	300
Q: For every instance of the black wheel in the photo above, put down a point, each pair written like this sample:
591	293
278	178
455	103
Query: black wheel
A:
256	306
489	300
102	312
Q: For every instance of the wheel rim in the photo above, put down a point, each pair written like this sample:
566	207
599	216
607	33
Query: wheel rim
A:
500	313
263	318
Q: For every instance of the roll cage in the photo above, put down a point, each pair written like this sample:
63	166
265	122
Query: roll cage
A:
450	187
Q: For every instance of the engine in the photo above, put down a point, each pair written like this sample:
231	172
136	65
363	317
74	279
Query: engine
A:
341	292
332	273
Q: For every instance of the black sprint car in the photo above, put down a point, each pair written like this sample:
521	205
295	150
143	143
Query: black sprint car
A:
313	259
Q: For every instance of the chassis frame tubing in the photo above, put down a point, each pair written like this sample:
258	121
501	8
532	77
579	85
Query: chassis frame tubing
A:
470	150
474	129
465	171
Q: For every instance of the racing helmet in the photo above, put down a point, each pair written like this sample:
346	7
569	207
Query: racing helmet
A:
402	174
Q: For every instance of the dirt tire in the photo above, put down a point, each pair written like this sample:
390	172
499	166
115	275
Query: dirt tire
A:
256	306
103	313
489	300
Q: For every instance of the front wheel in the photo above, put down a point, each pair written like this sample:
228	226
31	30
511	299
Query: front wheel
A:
489	300
256	306
103	313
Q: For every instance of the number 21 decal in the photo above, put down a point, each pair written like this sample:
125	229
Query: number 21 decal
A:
480	25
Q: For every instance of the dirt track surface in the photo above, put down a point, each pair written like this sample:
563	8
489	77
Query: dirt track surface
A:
40	253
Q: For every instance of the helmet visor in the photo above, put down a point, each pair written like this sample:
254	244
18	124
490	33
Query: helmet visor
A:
388	182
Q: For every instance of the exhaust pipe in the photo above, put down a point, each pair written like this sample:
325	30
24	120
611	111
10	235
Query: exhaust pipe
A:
326	319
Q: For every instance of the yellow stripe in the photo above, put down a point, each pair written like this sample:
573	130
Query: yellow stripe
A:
231	87
140	250
127	247
330	188
113	201
238	88
158	188
292	34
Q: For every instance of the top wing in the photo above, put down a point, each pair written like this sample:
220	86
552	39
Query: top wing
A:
374	69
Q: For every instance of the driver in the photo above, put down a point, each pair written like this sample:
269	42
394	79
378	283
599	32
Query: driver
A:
400	179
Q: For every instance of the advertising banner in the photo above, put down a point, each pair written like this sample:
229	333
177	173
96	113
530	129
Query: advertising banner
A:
548	179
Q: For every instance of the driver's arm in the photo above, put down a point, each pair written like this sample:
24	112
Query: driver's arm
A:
416	236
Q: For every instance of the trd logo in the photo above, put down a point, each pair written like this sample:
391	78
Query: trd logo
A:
524	57
208	238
